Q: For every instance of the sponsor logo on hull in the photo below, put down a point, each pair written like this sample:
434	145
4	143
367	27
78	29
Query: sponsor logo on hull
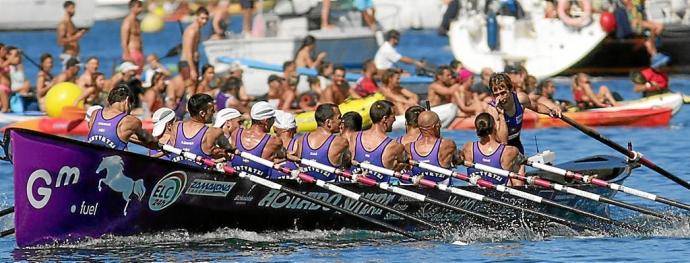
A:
167	190
118	181
210	188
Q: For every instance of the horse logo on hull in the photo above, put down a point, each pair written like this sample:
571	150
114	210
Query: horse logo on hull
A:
118	182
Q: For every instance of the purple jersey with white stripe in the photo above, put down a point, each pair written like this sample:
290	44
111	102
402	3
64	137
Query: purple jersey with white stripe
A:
192	145
514	123
374	157
320	155
246	165
104	131
275	174
431	158
493	160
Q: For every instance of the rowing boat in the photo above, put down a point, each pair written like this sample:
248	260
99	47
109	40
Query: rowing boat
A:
627	118
89	191
8	118
62	126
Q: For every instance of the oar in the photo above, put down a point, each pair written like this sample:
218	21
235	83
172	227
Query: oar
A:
174	51
627	152
276	186
605	184
562	188
390	188
513	192
6	211
7	232
468	194
334	188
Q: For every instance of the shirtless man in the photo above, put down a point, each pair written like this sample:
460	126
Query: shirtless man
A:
400	96
258	141
442	90
71	72
431	148
338	91
67	34
374	145
488	151
220	20
91	67
190	45
130	35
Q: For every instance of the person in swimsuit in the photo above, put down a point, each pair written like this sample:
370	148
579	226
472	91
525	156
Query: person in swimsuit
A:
18	81
400	96
153	96
67	34
44	80
258	141
584	96
208	73
432	149
303	58
190	48
324	145
339	89
113	126
375	147
130	36
194	136
85	80
412	132
5	89
92	93
488	151
220	20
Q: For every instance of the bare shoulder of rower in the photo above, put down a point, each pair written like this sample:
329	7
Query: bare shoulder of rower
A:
129	125
275	149
341	148
511	158
466	152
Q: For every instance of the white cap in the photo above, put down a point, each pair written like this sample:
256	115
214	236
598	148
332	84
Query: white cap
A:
127	66
262	110
90	112
236	65
225	115
161	118
285	120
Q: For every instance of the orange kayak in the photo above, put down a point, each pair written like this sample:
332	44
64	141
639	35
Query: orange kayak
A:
626	118
62	126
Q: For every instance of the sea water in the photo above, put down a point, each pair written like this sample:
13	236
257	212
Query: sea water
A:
666	146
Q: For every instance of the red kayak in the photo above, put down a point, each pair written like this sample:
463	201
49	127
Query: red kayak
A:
626	118
61	126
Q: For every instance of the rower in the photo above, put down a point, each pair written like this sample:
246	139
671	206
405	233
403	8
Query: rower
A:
113	127
229	120
163	120
352	123
194	136
257	141
374	146
323	145
411	127
285	127
488	151
431	148
508	108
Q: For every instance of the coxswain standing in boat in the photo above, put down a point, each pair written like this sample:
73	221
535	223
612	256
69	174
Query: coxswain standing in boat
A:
412	132
488	151
324	145
257	140
114	127
508	109
194	136
130	35
67	34
374	146
189	60
431	148
163	120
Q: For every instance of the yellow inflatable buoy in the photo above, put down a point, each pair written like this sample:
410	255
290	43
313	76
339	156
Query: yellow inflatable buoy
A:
307	123
152	23
63	94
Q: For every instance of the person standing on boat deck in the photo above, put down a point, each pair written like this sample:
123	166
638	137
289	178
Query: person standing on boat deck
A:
412	132
130	35
44	80
257	141
247	10
374	145
339	89
163	120
91	67
386	56
220	20
488	151
431	148
366	85
303	57
650	81
114	127
368	13
325	14
194	136
351	124
190	49
324	145
508	108
67	34
229	120
285	128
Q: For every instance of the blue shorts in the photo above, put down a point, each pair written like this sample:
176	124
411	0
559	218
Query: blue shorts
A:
362	5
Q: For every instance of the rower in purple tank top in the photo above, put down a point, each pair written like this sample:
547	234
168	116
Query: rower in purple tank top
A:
285	128
323	145
163	120
374	146
112	126
257	141
431	148
488	151
195	136
411	127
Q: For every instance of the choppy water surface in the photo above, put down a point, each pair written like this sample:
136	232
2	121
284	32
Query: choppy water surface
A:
667	146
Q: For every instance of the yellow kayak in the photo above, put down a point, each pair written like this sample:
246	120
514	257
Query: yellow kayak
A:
306	122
